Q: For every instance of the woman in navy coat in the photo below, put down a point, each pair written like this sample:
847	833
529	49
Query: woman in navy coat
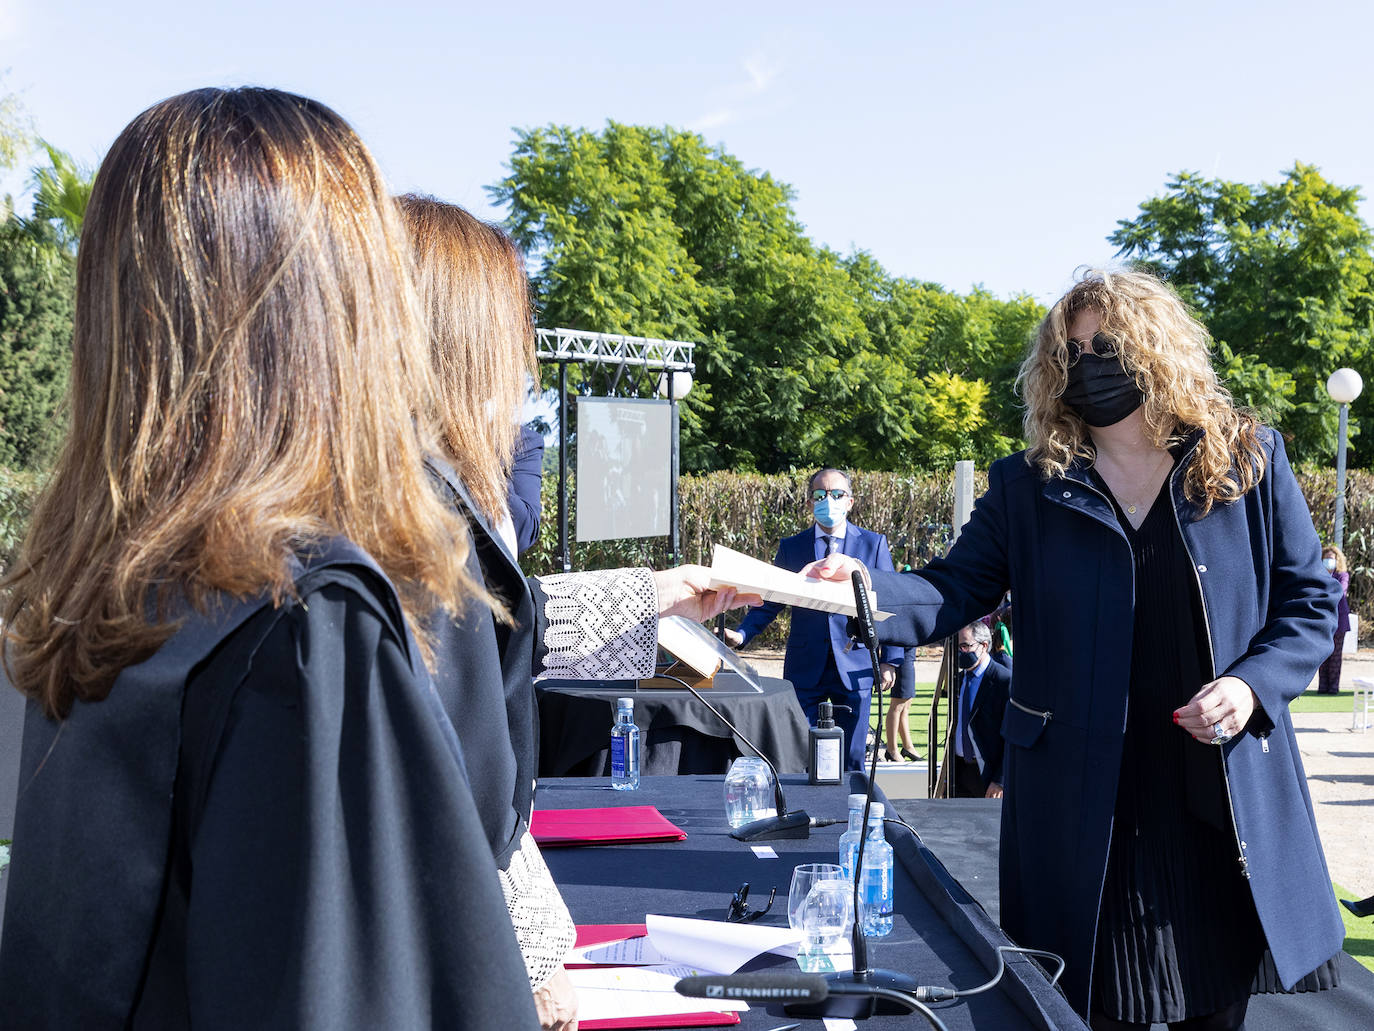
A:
1156	830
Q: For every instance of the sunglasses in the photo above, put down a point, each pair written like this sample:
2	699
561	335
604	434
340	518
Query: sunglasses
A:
1102	345
834	492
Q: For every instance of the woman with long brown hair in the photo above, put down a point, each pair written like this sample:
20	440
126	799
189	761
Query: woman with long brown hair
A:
1170	603
588	625
240	805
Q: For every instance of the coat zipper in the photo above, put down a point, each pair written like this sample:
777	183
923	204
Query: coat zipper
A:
1211	664
1045	715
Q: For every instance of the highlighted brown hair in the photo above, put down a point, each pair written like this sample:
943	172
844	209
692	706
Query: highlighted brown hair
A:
248	375
473	284
1167	351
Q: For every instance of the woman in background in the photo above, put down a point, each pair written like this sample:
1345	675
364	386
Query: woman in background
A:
1329	675
589	625
240	805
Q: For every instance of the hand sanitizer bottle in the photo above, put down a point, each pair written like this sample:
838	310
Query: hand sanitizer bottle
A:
826	747
625	747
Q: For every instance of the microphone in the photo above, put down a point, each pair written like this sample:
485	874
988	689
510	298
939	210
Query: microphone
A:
758	987
786	824
866	991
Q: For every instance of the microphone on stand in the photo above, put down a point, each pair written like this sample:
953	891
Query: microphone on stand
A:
866	991
786	824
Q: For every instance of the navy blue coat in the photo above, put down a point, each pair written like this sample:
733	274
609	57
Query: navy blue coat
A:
813	632
1270	608
985	721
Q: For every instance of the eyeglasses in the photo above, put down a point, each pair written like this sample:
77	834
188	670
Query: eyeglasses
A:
834	492
739	911
1102	345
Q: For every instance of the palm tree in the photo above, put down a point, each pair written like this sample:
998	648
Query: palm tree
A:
61	192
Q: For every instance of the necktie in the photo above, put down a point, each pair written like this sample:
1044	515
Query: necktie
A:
829	544
965	715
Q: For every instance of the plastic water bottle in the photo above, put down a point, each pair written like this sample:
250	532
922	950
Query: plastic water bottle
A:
625	747
875	881
849	840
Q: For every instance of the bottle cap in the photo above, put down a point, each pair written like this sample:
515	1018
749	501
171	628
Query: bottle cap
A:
875	812
625	703
825	715
856	800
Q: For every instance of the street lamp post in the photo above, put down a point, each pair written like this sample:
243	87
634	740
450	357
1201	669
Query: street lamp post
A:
1344	386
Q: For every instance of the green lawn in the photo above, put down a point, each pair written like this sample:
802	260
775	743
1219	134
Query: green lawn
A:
917	715
1359	930
1310	701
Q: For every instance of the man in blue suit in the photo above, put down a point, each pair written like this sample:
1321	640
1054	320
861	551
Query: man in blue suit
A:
816	661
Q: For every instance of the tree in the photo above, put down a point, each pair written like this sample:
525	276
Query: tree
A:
62	189
1282	275
37	288
804	357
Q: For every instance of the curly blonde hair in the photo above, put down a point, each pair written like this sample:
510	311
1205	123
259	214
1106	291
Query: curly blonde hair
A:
1167	350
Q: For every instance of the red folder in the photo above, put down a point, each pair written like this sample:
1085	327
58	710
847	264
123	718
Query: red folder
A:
595	934
562	828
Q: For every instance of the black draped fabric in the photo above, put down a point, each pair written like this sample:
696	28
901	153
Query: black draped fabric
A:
297	848
484	678
1178	935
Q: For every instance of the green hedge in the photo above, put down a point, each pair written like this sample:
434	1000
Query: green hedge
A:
751	513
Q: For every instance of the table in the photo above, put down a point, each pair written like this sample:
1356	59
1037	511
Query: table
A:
963	832
677	733
941	935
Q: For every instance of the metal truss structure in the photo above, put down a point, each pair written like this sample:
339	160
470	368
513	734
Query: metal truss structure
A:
613	365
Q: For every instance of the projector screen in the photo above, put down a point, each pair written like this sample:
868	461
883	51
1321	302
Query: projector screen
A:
624	468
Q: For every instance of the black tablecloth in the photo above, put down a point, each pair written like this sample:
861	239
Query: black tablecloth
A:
964	833
941	936
677	733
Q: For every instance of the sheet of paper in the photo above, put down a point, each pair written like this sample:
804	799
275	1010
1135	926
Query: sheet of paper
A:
730	568
605	993
623	952
716	946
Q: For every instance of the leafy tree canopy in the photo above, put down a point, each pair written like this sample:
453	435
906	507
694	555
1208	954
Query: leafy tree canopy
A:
1283	277
804	356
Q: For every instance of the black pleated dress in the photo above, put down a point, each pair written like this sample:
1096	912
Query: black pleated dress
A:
1178	936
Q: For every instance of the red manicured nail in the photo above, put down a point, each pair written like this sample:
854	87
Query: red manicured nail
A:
1175	717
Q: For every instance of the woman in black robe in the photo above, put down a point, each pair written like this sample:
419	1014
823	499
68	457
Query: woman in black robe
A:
241	804
600	625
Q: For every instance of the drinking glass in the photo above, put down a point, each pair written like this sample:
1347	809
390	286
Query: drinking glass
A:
748	791
804	878
824	920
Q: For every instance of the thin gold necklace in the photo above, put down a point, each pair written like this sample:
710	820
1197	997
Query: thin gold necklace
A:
1132	508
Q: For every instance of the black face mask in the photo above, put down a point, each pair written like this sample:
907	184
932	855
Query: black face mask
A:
1100	390
967	660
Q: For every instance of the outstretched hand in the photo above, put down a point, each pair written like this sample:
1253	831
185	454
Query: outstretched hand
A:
686	591
836	567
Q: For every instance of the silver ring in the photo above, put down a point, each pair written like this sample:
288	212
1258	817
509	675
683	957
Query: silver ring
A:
1219	736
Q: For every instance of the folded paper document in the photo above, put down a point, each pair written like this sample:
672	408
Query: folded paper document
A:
563	828
731	568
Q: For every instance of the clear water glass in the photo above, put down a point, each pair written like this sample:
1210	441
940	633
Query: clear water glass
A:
825	921
749	794
804	878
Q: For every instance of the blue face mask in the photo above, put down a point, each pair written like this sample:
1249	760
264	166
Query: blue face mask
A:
828	512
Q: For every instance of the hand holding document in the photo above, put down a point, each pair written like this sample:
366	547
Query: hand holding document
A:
731	568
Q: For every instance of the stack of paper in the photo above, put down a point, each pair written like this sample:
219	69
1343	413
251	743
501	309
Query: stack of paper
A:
624	973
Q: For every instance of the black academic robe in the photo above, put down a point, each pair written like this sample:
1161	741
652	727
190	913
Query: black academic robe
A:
265	824
484	677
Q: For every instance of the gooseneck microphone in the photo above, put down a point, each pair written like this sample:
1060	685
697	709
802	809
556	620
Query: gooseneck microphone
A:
865	991
757	987
786	824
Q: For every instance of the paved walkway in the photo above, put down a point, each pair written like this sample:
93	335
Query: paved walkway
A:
1339	763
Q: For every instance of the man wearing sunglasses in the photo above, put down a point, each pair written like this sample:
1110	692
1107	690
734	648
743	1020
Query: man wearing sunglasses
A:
818	661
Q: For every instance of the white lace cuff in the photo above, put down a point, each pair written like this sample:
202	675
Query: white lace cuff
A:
543	926
600	625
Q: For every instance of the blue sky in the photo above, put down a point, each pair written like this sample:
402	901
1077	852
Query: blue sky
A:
994	143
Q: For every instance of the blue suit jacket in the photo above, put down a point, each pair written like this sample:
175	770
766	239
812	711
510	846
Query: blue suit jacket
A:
813	633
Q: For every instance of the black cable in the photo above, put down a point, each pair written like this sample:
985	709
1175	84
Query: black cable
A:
934	993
